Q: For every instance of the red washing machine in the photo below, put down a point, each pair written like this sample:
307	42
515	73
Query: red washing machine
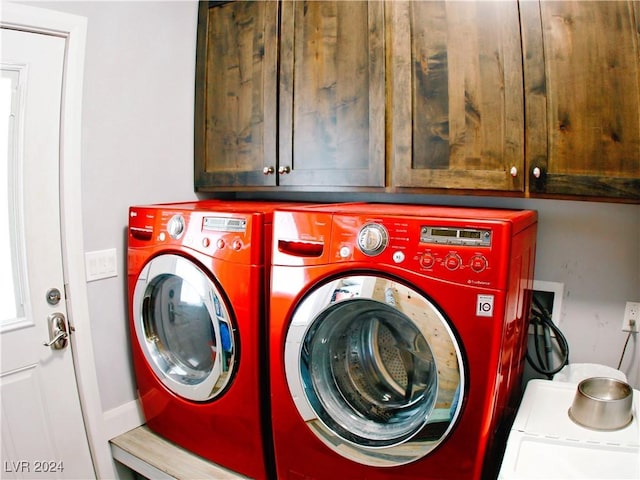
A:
397	339
198	274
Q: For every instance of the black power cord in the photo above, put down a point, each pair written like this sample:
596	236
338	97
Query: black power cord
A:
543	326
632	324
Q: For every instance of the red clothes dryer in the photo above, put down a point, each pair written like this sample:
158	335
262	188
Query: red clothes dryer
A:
398	335
197	277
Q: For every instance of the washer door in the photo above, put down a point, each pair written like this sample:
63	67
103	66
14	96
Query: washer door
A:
184	328
374	369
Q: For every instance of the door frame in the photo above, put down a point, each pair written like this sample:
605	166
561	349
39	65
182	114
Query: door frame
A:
73	29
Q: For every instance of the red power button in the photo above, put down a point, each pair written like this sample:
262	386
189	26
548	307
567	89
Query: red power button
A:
478	263
452	261
427	260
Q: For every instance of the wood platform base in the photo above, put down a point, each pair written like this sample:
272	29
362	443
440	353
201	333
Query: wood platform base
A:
154	457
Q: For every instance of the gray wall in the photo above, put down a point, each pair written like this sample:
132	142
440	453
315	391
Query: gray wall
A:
138	148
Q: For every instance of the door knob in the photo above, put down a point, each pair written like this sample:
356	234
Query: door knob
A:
53	296
58	334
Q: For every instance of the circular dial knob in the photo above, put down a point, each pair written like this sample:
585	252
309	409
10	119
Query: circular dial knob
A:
427	260
372	239
452	261
478	263
175	227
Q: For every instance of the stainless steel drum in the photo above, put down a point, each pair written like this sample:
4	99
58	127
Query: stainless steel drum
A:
367	370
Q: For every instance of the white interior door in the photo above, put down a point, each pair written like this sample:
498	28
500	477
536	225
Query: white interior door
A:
43	433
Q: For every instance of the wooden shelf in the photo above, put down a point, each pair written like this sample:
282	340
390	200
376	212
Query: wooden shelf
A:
154	457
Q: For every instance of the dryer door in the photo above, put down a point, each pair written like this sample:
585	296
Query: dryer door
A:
183	327
374	369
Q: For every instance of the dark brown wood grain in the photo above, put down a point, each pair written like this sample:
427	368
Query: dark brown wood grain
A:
582	91
456	97
421	97
236	90
332	93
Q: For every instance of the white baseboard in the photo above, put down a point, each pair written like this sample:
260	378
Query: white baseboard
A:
123	418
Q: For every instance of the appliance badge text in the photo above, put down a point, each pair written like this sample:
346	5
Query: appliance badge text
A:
484	306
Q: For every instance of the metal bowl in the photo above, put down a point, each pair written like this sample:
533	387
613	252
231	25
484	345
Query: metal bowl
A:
602	403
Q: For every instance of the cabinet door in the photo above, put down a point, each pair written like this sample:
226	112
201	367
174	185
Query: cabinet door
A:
455	99
332	94
582	74
236	94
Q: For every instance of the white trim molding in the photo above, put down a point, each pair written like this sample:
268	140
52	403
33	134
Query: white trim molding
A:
74	29
123	418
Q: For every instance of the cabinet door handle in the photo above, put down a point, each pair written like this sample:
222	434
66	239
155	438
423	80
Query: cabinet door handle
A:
284	170
268	170
537	172
513	172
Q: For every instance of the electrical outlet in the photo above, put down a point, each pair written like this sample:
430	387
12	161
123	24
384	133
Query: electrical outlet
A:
631	317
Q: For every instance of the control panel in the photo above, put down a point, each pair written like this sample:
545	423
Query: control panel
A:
224	236
465	246
455	252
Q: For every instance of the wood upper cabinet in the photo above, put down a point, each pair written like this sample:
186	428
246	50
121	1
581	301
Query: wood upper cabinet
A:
455	96
236	94
332	94
582	91
537	98
322	125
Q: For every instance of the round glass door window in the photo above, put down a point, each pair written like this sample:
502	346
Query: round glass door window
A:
375	369
184	328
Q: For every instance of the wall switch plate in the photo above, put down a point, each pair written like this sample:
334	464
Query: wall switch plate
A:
101	264
631	317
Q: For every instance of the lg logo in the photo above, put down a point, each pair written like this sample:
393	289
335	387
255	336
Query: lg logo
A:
484	306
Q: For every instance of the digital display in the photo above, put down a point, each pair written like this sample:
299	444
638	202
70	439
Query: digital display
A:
455	236
469	234
442	232
223	224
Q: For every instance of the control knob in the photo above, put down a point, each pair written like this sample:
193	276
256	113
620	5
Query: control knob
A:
427	260
478	263
452	261
175	227
372	239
